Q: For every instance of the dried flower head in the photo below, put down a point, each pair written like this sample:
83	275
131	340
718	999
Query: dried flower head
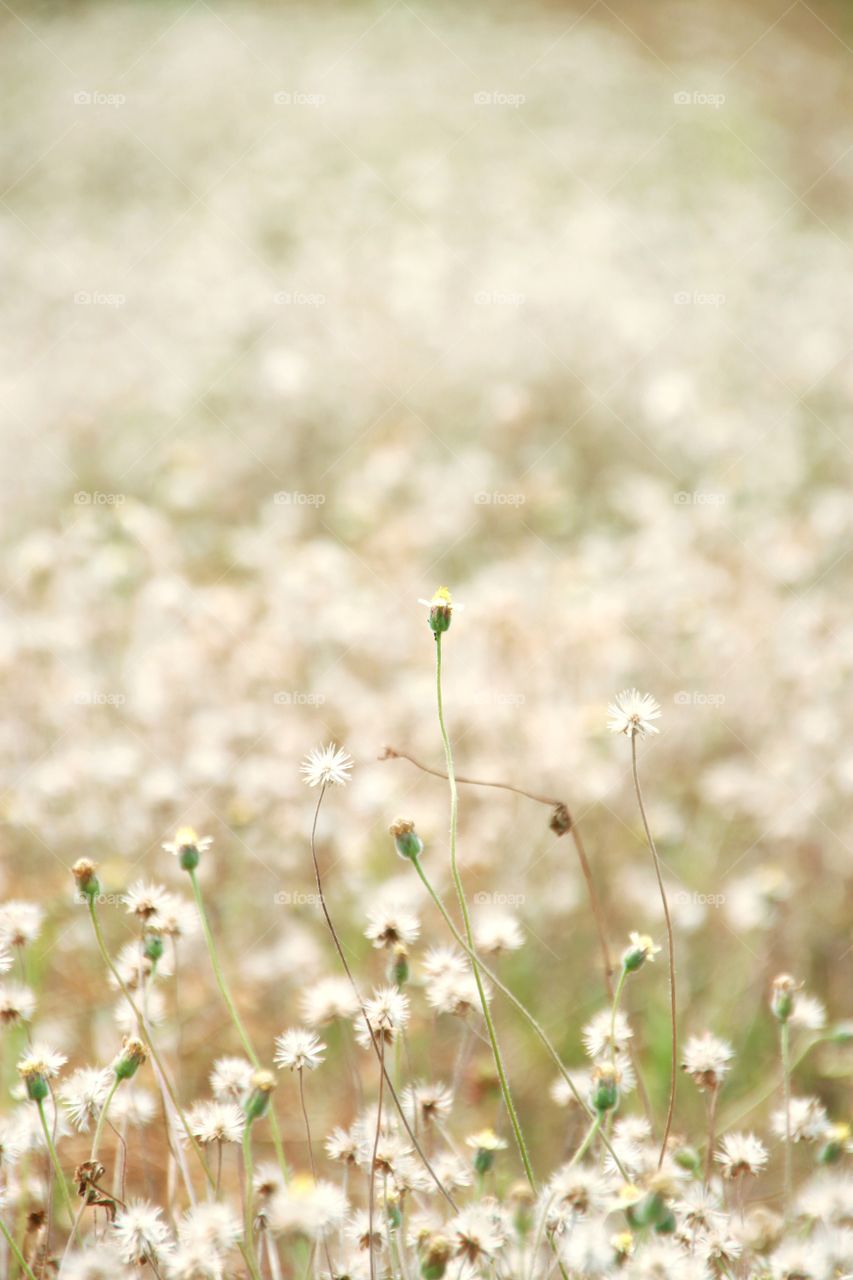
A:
741	1154
706	1058
327	766
632	713
299	1050
388	926
388	1014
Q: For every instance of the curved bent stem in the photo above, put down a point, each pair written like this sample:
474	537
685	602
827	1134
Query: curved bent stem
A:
466	920
670	943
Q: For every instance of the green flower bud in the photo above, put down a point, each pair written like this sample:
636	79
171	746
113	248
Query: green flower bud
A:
87	882
406	839
131	1058
152	946
263	1083
605	1088
782	996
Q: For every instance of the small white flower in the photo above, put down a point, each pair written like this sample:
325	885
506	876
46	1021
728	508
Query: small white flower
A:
299	1050
427	1102
632	713
808	1012
17	1003
388	1013
496	931
140	1234
707	1059
741	1153
327	999
20	922
83	1095
216	1122
390	926
329	765
187	838
603	1033
231	1078
41	1061
808	1120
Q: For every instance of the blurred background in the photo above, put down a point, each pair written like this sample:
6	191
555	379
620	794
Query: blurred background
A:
309	309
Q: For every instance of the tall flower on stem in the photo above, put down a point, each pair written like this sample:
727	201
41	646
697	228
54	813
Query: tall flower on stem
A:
782	1000
324	768
707	1059
440	617
632	713
188	848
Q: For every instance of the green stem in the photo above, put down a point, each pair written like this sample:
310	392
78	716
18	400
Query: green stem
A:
99	1128
518	1004
248	1226
19	1257
228	1000
617	996
785	1044
670	943
149	1043
57	1168
588	1140
463	907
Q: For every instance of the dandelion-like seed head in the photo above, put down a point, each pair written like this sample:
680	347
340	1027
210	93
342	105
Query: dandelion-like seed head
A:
706	1059
327	766
632	713
299	1050
741	1154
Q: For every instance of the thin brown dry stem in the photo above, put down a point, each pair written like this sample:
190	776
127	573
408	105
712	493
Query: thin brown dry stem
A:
673	1011
562	821
357	993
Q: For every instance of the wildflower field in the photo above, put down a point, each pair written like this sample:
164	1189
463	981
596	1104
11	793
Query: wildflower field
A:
425	641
